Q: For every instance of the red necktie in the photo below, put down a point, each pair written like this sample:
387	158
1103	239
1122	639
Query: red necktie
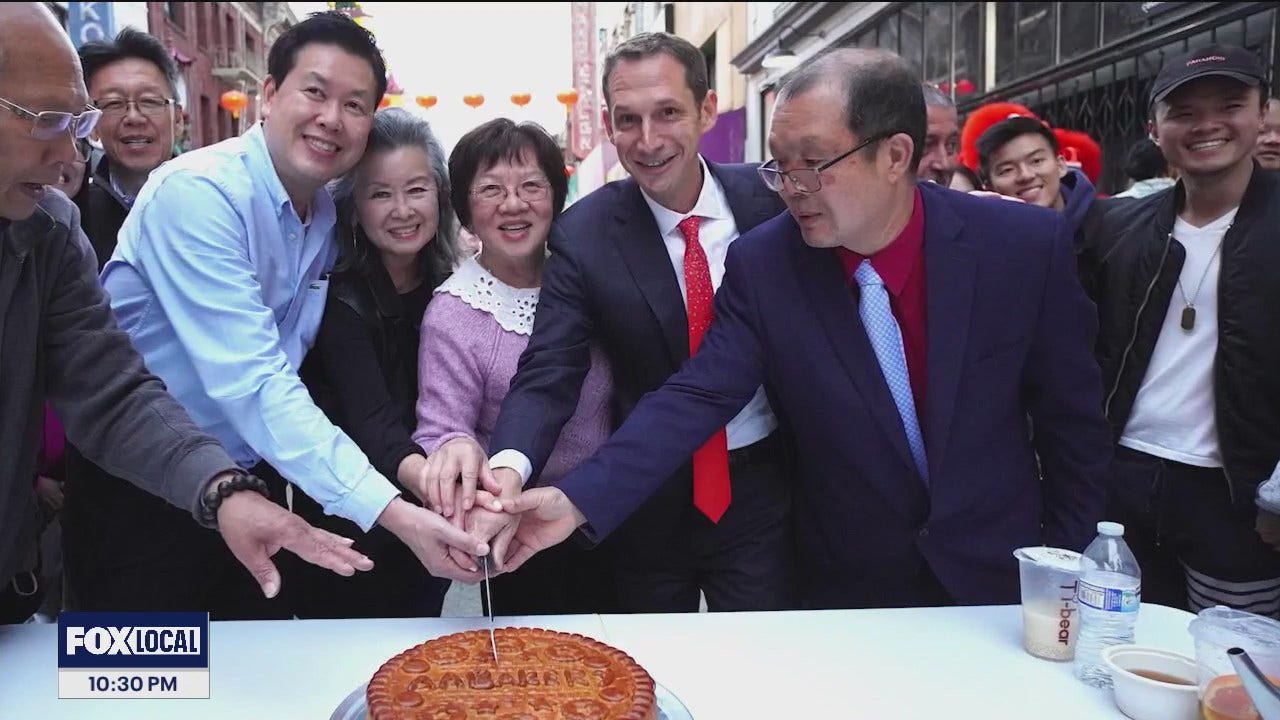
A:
711	461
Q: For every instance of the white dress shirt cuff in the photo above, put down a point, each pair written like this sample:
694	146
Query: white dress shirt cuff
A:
367	499
514	460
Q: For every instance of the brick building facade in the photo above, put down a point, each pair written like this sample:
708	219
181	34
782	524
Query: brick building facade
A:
218	46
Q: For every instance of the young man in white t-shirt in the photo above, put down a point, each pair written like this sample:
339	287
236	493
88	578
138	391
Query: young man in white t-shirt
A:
1187	283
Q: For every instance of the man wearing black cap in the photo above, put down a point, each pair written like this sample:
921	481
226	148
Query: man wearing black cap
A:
1187	283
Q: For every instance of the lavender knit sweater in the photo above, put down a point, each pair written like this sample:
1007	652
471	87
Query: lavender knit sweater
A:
473	333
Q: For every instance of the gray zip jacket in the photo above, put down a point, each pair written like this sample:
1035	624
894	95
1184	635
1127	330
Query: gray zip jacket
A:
59	341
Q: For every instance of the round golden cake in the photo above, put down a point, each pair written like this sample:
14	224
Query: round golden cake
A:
540	675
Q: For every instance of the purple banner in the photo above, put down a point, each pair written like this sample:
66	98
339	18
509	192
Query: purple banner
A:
726	142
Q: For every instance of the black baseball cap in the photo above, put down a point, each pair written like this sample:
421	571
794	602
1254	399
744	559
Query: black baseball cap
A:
1224	60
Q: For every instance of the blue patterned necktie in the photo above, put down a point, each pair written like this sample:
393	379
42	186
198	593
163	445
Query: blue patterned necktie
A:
886	340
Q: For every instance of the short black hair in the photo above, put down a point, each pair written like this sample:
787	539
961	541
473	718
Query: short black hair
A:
129	43
1004	132
1145	161
883	95
498	140
649	44
327	28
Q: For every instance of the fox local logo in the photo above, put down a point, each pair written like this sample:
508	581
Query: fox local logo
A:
133	640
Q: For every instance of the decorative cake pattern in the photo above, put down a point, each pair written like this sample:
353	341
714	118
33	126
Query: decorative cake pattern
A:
540	675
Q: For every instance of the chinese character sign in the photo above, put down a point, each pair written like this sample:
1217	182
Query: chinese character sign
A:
584	116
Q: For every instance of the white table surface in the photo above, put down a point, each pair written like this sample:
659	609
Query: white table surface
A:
915	663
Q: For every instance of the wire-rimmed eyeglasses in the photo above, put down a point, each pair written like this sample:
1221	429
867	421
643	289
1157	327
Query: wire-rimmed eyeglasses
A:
148	105
528	191
809	180
49	124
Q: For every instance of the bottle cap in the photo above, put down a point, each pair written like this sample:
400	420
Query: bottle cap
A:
1111	529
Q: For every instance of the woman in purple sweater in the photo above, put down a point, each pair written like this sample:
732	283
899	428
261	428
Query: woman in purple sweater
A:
508	186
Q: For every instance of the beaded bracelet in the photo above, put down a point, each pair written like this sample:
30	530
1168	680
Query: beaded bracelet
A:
213	497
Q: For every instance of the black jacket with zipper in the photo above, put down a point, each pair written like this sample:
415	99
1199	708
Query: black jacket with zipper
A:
1130	263
102	210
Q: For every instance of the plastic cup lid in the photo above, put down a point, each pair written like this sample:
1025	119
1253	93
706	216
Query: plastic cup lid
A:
1226	627
1057	558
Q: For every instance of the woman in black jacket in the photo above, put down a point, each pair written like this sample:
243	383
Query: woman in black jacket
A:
398	239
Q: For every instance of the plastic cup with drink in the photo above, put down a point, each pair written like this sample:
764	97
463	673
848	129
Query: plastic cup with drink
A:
1050	620
1217	629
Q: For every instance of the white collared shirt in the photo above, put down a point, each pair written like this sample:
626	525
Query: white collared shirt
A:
715	233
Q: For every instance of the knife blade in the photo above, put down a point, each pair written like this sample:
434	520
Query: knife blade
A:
488	591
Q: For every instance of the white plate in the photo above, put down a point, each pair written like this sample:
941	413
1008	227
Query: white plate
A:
669	706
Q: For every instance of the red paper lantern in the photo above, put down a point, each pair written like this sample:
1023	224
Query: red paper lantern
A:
473	101
234	101
521	99
426	102
568	98
385	102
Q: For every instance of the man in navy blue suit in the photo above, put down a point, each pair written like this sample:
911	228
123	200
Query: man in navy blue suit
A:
907	333
633	271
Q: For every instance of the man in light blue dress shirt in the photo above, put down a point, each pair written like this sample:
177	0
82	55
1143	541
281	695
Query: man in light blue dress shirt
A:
220	278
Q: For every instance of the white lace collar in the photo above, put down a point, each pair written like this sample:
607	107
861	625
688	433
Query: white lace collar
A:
513	308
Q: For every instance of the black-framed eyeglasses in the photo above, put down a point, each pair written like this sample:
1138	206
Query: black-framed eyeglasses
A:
809	180
148	105
49	124
528	191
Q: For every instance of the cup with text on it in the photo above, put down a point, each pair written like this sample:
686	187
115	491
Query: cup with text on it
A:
1050	621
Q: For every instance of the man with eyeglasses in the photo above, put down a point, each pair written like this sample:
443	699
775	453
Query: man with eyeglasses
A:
60	342
133	81
907	332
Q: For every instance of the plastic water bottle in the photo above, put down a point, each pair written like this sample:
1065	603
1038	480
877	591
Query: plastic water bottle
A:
1107	595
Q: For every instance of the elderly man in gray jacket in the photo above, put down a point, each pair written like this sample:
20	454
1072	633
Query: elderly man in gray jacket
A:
59	341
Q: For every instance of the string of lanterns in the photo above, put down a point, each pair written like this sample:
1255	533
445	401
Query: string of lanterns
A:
568	98
235	101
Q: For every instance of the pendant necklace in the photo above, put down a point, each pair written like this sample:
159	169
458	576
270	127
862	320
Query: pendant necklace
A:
1189	310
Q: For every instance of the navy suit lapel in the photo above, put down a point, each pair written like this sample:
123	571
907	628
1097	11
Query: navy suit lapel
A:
645	255
835	306
749	200
949	282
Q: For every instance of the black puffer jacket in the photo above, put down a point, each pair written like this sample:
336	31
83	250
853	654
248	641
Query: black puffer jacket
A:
1130	263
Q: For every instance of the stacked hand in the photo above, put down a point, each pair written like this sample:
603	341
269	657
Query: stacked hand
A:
546	517
490	506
